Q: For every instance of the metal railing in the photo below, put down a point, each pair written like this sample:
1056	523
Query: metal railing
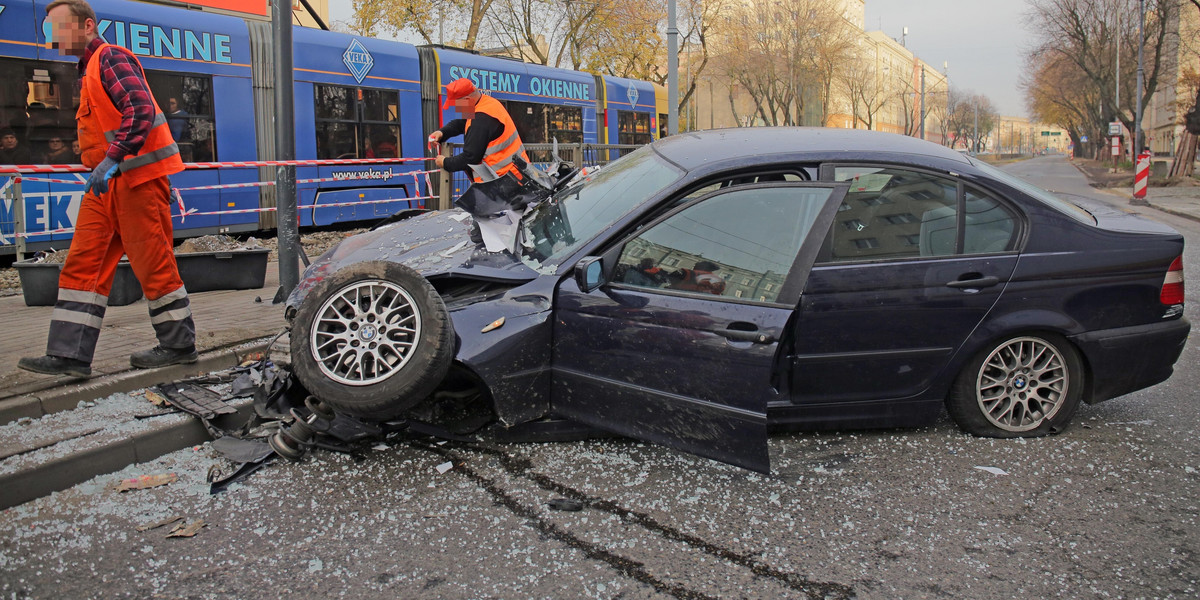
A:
452	185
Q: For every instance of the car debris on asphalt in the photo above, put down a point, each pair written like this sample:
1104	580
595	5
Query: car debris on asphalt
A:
145	482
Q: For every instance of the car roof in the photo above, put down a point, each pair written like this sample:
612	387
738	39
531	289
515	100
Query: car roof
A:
696	148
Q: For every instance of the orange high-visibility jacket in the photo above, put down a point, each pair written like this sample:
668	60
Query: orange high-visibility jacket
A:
500	151
99	121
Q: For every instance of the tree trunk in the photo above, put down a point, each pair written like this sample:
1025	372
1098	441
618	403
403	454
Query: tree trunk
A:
1185	156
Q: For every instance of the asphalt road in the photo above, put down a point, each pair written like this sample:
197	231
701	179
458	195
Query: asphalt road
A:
1107	509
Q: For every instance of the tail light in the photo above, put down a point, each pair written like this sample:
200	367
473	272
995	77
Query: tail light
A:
1172	289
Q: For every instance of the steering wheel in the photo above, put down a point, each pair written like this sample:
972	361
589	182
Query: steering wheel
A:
562	181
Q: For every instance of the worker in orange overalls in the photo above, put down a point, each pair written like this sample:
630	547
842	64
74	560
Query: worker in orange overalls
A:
489	135
125	138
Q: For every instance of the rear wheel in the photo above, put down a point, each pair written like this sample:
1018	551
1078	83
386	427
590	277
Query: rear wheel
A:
1023	386
372	340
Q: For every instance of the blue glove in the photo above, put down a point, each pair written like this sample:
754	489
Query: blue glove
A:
97	182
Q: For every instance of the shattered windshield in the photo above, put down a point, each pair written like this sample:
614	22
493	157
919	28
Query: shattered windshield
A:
556	228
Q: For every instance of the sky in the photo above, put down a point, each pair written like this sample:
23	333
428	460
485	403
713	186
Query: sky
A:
982	40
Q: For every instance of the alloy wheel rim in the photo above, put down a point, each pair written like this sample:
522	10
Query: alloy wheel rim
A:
1022	384
365	333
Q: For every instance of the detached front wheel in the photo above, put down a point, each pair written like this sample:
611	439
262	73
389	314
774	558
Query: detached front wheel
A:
372	340
1025	386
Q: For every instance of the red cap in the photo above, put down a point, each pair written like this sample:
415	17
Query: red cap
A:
459	88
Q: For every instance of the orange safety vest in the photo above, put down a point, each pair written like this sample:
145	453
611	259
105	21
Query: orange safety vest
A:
99	121
500	151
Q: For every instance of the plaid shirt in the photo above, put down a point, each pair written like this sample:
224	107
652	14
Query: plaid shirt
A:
126	87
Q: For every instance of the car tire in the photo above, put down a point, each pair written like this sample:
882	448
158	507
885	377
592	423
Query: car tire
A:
372	340
1022	386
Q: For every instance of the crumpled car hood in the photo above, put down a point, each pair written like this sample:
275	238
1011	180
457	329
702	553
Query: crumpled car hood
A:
434	244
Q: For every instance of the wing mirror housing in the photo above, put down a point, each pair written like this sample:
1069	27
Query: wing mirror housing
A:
589	273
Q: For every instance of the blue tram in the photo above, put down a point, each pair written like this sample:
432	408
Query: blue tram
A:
355	98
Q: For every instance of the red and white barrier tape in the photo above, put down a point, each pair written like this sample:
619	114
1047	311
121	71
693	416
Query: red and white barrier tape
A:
235	212
28	234
312	206
184	211
300	181
19	169
44	180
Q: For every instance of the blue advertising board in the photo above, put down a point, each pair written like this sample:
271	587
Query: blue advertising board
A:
156	35
507	79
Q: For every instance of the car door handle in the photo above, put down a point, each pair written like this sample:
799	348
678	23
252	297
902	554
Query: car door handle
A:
975	282
747	335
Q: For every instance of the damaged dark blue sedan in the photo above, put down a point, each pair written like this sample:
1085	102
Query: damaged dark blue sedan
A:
715	285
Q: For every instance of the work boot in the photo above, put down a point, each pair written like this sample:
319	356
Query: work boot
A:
161	357
56	365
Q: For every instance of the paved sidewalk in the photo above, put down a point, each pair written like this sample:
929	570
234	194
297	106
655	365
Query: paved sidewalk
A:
1183	201
224	319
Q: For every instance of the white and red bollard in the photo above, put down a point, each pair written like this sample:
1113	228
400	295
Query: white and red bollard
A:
1141	176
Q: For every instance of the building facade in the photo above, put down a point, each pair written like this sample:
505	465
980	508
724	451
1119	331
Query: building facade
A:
1162	117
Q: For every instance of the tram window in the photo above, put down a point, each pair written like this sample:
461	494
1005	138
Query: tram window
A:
662	126
633	127
38	102
531	120
544	123
566	124
357	122
187	102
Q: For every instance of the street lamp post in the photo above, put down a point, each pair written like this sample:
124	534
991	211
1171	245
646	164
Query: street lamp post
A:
285	150
1137	126
672	70
922	100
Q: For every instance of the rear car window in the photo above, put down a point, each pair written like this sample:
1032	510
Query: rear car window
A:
1047	198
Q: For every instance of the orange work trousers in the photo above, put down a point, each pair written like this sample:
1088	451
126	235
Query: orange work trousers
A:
124	221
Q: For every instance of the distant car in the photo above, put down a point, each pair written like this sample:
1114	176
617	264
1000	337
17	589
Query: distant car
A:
715	285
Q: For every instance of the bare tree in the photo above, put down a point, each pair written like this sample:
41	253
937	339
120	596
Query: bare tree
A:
367	19
1058	92
786	53
865	92
1084	33
966	109
632	42
550	32
429	18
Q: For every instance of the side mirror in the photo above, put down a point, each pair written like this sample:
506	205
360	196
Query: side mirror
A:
589	273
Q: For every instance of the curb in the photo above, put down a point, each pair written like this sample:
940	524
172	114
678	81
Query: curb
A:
68	396
61	473
1177	213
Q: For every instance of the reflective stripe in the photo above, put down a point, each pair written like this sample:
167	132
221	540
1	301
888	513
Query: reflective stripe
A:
503	162
178	314
70	316
82	297
169	298
142	160
497	146
159	119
